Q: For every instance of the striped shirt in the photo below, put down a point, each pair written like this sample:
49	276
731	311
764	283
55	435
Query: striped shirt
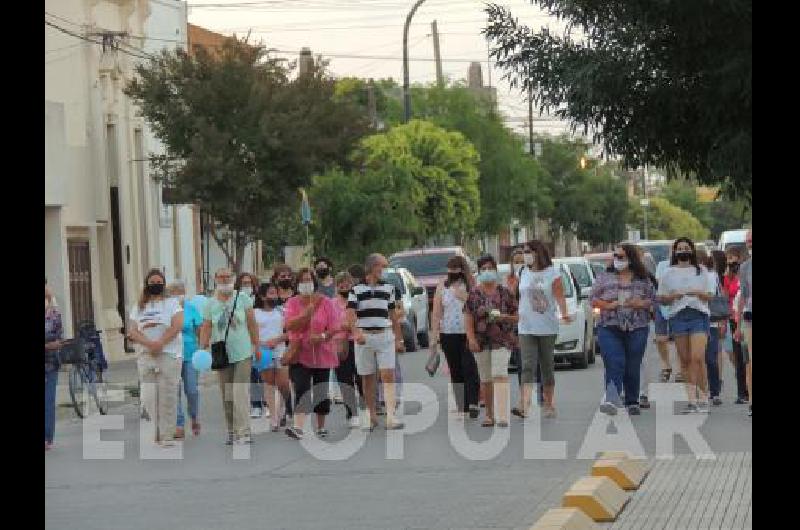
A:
372	304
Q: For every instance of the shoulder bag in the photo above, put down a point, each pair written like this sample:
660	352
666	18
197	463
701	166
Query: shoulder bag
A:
719	307
219	350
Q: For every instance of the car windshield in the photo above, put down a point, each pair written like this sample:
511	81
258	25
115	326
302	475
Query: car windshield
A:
423	264
581	274
659	251
395	279
566	281
598	267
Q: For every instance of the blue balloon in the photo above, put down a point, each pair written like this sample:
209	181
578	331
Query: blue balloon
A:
201	360
266	359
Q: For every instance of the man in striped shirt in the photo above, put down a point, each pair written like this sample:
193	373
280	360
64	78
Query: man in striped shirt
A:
377	334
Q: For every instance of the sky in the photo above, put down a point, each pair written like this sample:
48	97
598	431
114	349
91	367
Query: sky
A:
343	30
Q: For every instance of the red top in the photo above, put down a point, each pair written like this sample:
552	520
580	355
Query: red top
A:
327	318
730	284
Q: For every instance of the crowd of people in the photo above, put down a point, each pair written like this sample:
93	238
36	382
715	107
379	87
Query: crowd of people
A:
284	340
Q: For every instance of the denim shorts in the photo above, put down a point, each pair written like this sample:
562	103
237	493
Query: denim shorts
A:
662	324
689	322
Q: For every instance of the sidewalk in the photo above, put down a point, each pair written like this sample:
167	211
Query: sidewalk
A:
690	493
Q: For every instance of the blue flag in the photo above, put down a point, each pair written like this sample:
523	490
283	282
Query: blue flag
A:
305	208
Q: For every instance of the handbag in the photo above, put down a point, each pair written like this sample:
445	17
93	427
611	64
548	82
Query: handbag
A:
719	306
219	351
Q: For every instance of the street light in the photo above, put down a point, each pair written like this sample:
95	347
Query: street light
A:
406	88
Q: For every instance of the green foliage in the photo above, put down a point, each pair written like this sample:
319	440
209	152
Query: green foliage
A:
603	208
665	220
241	136
665	83
720	215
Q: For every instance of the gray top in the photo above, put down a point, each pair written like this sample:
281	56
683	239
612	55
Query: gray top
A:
327	290
746	284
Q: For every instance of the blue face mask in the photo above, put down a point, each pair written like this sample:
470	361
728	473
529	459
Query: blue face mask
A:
487	276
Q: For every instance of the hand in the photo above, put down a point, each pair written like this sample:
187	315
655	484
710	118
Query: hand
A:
474	347
567	318
636	303
54	345
271	343
434	347
155	347
610	306
737	335
359	338
400	345
318	339
257	353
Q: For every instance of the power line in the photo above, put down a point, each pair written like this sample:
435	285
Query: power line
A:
137	53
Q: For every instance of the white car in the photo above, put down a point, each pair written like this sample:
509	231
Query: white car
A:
575	341
732	238
414	300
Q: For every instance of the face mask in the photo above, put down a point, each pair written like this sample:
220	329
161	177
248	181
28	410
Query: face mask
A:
453	276
305	288
683	256
733	267
285	284
487	276
225	288
322	273
272	302
344	294
620	264
528	258
517	268
155	289
248	290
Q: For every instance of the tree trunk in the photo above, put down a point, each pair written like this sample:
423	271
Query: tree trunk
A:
240	244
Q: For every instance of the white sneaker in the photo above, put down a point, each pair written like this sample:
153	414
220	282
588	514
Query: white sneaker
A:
255	412
354	422
703	408
267	413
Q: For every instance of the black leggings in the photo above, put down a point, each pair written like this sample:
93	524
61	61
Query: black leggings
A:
739	366
349	380
310	387
463	370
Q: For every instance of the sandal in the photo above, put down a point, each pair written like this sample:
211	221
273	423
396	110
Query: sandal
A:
487	423
516	411
666	373
195	428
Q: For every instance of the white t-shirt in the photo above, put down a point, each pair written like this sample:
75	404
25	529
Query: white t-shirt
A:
270	325
160	313
661	268
685	279
537	303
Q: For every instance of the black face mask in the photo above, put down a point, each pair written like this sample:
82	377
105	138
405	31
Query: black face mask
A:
453	276
322	273
683	256
272	302
344	294
155	289
285	284
733	267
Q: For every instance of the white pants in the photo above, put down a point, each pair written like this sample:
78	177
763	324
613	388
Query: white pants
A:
160	377
377	352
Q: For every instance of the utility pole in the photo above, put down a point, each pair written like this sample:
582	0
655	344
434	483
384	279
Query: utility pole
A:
530	122
406	84
437	56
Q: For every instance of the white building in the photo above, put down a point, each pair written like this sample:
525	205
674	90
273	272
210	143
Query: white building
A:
105	225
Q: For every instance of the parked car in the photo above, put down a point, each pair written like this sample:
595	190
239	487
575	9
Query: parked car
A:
583	277
659	249
572	344
414	304
732	238
599	261
428	265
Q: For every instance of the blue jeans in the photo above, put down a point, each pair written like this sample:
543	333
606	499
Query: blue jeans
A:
50	383
189	377
622	356
257	400
712	365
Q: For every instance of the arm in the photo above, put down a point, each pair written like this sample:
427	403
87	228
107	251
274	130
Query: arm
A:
513	314
252	329
58	332
204	335
175	327
398	331
137	336
558	293
352	319
436	315
469	326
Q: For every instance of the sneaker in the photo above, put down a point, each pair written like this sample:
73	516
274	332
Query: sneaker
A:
395	425
633	410
322	433
166	444
644	402
48	446
474	412
679	378
275	427
255	412
283	421
294	433
267	413
354	422
549	412
703	408
716	401
229	439
741	401
244	440
179	433
750	411
608	408
691	408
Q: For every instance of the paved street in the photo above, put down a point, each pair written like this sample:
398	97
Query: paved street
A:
282	486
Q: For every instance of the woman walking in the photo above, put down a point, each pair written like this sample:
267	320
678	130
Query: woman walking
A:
448	331
313	322
247	285
490	315
155	324
53	338
346	373
715	265
228	317
192	320
541	295
624	296
730	285
271	334
684	289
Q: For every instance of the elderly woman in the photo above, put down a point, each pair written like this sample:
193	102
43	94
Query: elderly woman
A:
53	335
155	324
228	317
248	284
192	320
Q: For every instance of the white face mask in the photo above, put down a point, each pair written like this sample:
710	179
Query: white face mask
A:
620	264
248	290
225	288
305	288
529	258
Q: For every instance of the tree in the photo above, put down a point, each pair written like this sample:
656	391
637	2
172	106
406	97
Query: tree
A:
665	83
603	204
718	215
241	136
666	221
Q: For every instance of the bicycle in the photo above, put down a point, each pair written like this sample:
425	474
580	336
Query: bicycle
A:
85	353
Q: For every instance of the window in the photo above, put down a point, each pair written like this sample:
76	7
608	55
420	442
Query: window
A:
566	281
424	264
396	280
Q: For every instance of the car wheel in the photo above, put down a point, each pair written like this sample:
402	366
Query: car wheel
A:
410	338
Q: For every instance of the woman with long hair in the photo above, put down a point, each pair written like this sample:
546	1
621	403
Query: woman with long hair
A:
730	284
346	373
447	330
192	320
685	290
624	297
248	284
715	265
283	277
156	324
